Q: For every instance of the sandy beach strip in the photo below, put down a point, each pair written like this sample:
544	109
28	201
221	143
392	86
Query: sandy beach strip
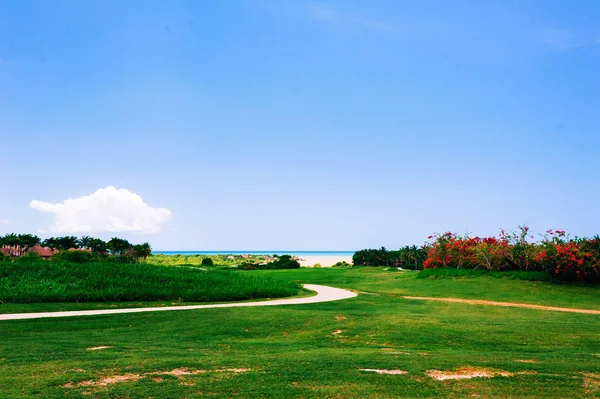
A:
324	260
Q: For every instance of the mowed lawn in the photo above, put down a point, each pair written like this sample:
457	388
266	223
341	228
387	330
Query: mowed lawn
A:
318	350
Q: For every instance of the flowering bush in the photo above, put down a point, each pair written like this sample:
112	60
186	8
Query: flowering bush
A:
564	259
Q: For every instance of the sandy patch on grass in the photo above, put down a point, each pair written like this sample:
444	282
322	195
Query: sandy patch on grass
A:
466	373
381	371
591	382
97	348
155	376
336	332
526	361
339	318
115	379
179	372
235	370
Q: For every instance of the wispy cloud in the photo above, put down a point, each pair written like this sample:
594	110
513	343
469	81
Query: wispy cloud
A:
328	15
564	39
4	221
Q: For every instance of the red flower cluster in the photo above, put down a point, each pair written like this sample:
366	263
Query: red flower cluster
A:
562	258
573	260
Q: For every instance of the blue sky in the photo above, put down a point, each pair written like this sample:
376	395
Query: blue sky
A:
291	124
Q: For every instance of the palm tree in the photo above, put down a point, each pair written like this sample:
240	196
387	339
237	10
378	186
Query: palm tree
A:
142	251
12	242
97	245
26	242
85	241
118	246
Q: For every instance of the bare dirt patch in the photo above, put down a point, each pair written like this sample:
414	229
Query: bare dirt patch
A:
391	372
336	332
179	372
505	304
97	348
115	379
526	361
155	376
339	318
591	382
466	373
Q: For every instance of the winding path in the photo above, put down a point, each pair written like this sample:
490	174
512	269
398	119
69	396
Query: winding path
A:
505	304
324	294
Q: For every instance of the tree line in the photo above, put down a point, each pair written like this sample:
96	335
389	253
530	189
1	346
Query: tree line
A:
22	244
407	257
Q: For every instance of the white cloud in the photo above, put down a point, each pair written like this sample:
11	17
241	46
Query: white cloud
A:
106	210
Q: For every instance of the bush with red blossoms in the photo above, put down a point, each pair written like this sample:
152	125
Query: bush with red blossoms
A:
564	259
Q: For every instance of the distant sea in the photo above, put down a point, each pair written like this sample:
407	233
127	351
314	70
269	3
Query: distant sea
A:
296	253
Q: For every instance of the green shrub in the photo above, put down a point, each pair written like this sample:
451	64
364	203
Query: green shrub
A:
249	266
75	256
28	257
317	266
342	264
405	256
283	262
280	262
4	257
207	262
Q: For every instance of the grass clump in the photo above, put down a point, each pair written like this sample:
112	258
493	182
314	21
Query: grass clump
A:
61	281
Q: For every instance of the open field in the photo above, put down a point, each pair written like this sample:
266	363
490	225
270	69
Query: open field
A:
320	350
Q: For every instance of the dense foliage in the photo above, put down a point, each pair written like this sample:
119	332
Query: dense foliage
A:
408	257
279	262
18	245
562	258
61	281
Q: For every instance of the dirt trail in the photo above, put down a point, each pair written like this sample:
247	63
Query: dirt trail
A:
505	304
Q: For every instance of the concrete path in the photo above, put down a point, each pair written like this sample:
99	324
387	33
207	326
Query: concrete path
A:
324	294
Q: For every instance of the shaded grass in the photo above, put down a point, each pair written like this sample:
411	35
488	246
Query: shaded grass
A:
43	281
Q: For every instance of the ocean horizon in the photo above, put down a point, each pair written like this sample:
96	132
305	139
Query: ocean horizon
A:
297	253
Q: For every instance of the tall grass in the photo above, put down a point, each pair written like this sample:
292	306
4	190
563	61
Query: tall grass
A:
43	281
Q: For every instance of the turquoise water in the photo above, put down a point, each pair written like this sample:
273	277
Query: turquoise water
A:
296	253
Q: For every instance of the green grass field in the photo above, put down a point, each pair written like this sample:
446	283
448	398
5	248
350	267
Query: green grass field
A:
44	281
318	350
